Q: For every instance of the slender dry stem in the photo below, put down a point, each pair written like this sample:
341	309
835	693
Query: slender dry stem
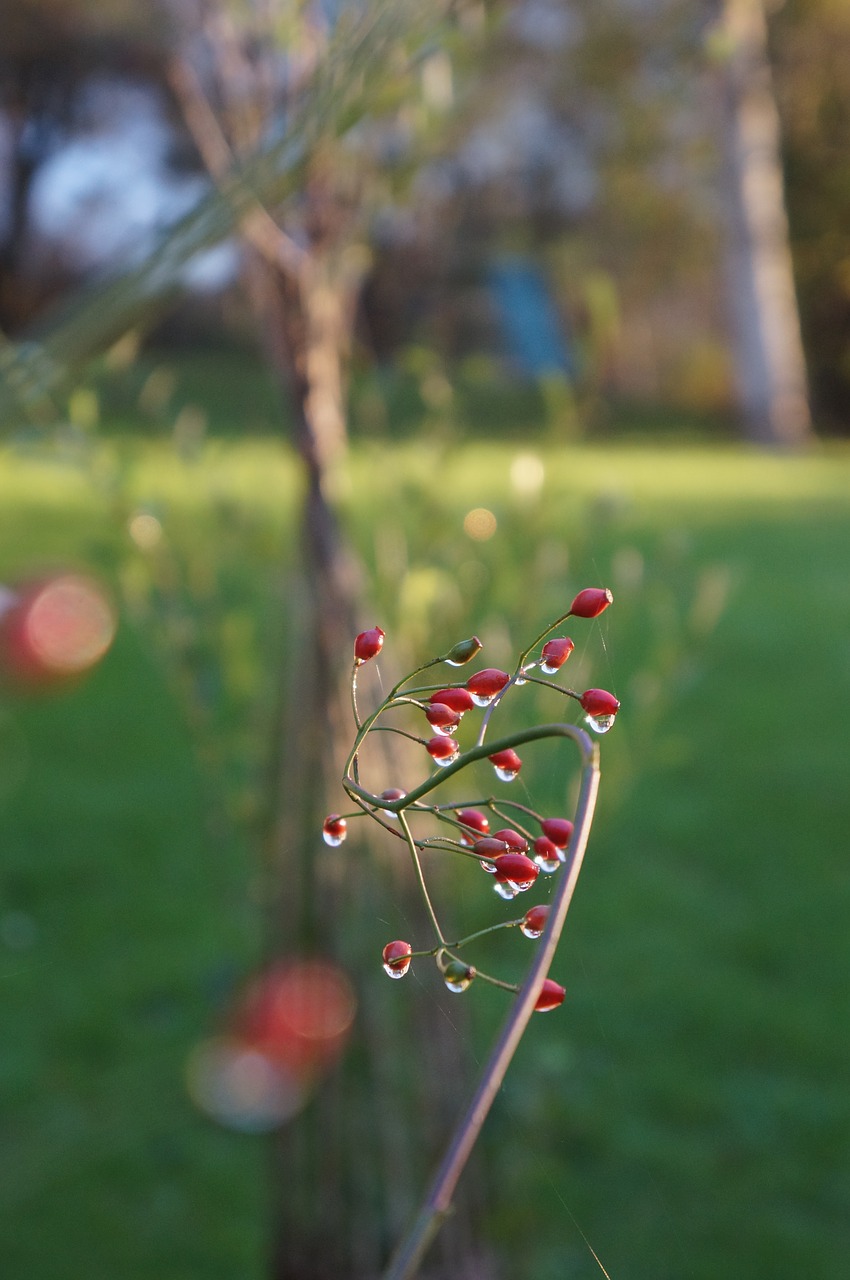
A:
437	1203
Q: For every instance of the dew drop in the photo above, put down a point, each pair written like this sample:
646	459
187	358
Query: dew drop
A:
446	730
600	724
482	699
397	970
547	865
506	889
334	830
526	928
548	670
458	984
489	867
505	775
445	761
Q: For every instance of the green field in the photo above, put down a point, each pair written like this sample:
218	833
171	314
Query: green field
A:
687	1110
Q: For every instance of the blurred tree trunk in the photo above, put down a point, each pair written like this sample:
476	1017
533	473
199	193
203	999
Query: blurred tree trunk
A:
769	355
347	1171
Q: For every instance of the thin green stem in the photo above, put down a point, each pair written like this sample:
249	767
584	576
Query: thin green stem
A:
354	695
479	752
417	866
470	937
541	638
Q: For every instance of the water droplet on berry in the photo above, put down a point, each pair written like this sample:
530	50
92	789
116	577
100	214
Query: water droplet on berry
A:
392	793
334	830
482	699
506	889
548	669
529	932
505	775
397	970
457	976
489	867
445	761
600	724
547	855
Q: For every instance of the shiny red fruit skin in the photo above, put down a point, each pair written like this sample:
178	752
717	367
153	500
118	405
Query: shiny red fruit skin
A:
599	702
555	652
536	917
507	759
490	847
516	868
459	700
488	682
551	995
396	953
515	842
558	830
474	819
440	747
591	602
441	716
368	644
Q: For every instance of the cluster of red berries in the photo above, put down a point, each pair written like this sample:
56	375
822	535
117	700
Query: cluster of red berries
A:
515	858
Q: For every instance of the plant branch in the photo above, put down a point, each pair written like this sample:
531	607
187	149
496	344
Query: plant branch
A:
437	1203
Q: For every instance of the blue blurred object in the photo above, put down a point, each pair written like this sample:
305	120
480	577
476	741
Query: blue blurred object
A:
530	323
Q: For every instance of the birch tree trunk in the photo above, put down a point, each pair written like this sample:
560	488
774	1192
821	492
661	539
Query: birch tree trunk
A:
770	362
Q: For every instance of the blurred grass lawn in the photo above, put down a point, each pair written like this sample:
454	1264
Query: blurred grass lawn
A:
689	1105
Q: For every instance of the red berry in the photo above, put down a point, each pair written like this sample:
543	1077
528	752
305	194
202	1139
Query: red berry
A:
534	920
558	830
599	702
490	847
551	995
391	794
475	820
515	842
334	829
554	654
459	700
516	869
547	855
506	763
442	750
442	717
591	602
484	685
368	644
396	957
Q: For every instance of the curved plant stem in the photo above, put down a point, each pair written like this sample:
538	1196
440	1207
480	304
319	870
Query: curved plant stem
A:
417	867
437	1203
